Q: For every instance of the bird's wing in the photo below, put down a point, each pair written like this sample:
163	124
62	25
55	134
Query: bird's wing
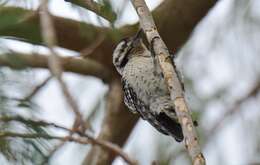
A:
130	97
137	106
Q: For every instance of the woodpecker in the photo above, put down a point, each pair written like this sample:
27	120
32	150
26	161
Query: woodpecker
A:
145	91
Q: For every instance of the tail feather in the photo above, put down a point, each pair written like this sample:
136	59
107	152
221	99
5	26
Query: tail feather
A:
171	125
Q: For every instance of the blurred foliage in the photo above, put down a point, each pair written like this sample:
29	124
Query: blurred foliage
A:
105	10
17	150
10	21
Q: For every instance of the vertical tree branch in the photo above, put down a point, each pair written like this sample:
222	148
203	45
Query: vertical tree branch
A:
49	37
114	126
172	81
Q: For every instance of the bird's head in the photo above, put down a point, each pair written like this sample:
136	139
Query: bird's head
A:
127	48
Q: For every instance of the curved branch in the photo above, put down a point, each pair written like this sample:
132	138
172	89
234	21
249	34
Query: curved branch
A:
69	64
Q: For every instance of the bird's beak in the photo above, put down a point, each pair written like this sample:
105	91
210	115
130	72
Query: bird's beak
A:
138	34
137	38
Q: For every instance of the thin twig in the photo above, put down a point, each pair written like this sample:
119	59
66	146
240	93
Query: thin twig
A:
83	139
106	145
172	81
37	88
29	135
218	125
49	37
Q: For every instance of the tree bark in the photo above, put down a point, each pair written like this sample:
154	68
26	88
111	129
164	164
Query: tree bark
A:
69	64
116	126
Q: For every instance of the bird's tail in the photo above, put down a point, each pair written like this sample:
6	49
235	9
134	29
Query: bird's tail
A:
171	125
